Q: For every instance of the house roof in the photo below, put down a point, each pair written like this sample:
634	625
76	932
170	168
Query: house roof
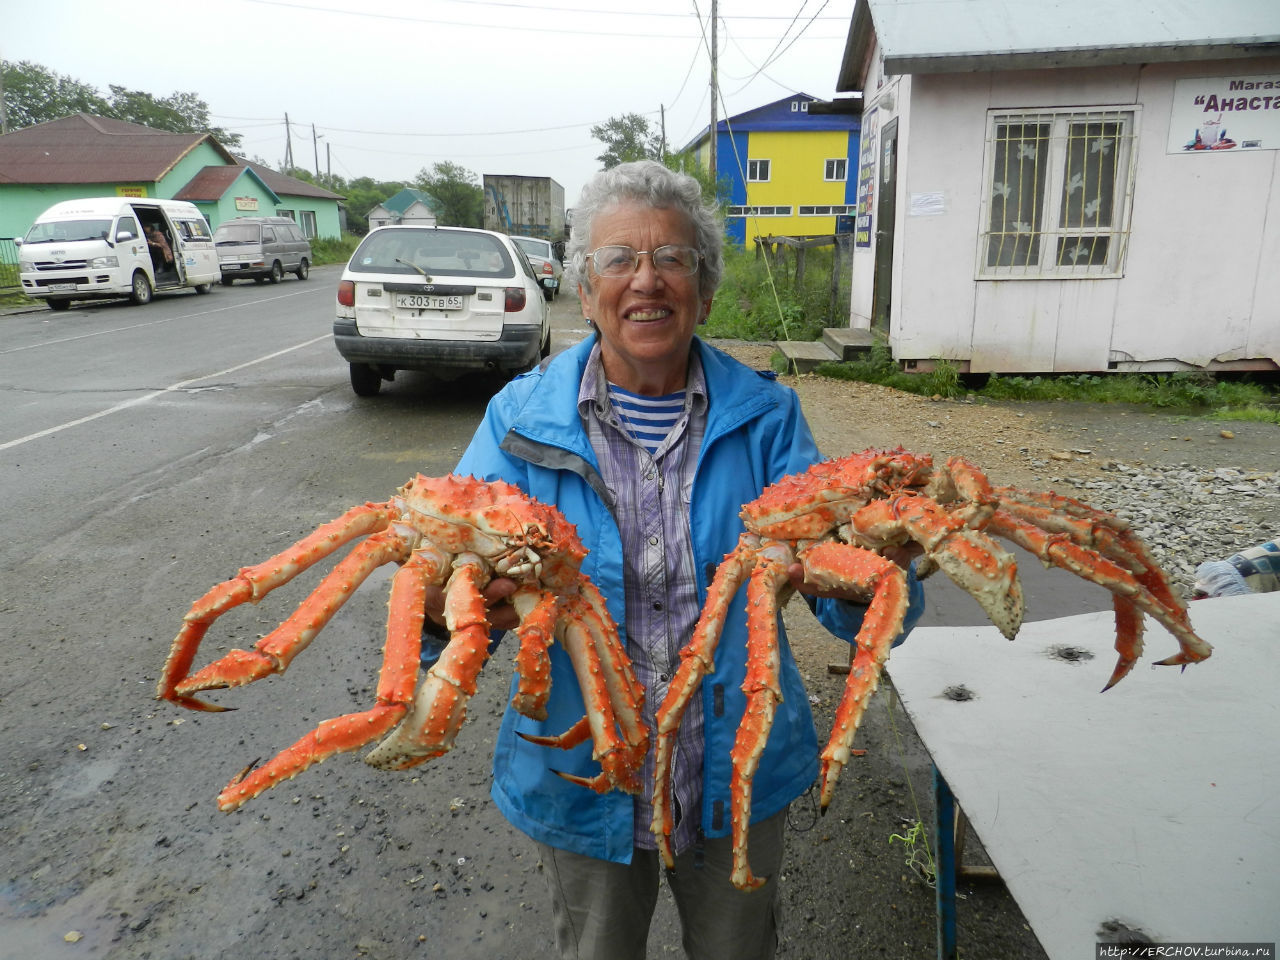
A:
779	116
941	36
406	198
212	184
283	184
86	149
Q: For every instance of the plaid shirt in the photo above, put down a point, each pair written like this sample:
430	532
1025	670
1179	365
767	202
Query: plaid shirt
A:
662	602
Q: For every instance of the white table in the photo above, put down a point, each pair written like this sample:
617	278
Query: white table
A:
1156	804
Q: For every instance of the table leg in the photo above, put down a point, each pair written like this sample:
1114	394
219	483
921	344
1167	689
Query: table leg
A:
945	865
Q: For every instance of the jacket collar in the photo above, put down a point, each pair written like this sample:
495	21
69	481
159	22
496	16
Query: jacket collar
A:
550	414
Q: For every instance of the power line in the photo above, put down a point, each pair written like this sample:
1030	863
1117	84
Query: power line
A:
437	22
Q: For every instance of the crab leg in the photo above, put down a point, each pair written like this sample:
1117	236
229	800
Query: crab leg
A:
620	756
761	685
274	652
832	565
395	688
251	584
697	659
1060	551
440	706
626	693
1107	533
973	561
538	612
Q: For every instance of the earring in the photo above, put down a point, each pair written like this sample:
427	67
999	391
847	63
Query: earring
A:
587	321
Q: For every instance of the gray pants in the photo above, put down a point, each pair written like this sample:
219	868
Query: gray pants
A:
602	910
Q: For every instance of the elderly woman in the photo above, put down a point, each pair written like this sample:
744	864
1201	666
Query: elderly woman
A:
650	441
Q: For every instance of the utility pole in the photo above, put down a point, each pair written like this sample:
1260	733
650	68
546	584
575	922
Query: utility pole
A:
662	142
714	91
315	146
328	161
288	145
4	115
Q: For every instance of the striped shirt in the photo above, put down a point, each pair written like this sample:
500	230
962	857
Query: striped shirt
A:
649	420
651	506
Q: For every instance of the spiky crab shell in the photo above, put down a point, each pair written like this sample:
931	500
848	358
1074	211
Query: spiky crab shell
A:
810	505
491	518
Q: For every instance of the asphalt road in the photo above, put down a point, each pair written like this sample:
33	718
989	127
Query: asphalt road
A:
148	453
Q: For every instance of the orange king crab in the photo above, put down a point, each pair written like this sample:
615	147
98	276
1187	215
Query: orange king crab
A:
834	519
455	531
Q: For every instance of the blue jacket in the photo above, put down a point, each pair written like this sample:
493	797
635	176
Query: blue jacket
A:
532	436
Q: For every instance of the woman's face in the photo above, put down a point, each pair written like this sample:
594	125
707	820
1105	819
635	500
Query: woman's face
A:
645	320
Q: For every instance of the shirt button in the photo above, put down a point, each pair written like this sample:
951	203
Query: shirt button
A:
653	541
657	605
663	677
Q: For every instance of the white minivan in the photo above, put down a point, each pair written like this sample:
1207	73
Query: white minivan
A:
99	247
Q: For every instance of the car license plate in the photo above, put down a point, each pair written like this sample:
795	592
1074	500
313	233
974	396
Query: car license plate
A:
418	301
61	286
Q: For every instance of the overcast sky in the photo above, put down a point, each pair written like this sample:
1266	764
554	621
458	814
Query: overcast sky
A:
498	86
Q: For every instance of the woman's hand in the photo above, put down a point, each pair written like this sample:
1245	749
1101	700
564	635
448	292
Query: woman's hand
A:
502	615
902	555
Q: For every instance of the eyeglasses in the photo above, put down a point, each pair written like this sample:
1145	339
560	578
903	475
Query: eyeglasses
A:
673	260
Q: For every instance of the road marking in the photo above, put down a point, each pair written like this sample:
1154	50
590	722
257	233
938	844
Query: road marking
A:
158	393
151	323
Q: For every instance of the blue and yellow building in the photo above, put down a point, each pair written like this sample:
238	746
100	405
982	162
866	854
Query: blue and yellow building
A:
785	169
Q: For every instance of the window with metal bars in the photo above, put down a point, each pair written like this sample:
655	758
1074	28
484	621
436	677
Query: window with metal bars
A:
1058	190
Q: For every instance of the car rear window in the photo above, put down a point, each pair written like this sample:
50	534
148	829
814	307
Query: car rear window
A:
237	233
448	252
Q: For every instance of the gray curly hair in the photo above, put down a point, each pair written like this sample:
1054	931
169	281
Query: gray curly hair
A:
647	182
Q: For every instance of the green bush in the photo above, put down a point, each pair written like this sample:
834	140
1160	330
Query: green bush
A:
329	250
760	301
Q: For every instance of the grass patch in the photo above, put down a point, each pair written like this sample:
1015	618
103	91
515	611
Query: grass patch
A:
1200	394
330	250
759	302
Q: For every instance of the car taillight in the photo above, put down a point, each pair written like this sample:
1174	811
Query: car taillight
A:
347	293
546	268
515	300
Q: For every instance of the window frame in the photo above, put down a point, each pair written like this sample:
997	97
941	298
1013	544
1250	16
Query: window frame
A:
757	166
1049	233
843	167
307	224
760	210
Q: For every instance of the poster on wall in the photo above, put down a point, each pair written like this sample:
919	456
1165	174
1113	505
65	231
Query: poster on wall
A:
866	179
1225	114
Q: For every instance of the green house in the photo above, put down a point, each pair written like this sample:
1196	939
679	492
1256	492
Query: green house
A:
88	156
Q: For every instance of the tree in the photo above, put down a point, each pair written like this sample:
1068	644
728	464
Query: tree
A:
363	194
458	192
626	138
687	162
34	95
178	113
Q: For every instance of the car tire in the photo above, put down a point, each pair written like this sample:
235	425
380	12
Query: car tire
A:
58	304
203	287
228	281
141	289
366	381
544	351
277	272
303	271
